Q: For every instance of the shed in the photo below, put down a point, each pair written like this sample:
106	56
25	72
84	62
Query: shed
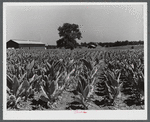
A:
92	46
25	44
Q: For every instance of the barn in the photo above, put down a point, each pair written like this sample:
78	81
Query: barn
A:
28	44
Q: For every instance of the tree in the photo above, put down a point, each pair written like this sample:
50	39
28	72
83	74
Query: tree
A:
69	33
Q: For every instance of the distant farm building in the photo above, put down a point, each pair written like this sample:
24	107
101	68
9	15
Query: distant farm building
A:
25	44
92	46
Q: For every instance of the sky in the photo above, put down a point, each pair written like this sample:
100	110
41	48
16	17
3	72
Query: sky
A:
98	23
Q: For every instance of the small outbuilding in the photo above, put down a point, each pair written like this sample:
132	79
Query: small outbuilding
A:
92	46
25	44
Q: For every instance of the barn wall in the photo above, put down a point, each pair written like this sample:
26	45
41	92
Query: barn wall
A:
32	46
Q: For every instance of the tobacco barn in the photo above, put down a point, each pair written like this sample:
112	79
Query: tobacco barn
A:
25	44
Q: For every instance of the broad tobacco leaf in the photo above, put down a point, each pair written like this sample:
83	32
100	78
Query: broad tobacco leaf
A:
15	85
22	88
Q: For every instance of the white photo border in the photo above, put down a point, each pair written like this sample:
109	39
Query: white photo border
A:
71	114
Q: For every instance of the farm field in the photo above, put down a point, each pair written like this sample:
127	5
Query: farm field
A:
83	79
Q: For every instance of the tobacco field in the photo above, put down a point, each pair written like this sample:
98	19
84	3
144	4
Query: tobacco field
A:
59	79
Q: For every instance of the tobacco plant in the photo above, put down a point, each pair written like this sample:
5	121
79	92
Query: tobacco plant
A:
113	85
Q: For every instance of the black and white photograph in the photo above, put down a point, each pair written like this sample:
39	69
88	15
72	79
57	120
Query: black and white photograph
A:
75	61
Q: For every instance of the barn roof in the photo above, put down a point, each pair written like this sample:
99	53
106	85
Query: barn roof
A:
26	42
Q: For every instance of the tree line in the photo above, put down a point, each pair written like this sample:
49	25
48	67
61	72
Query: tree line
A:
69	33
112	44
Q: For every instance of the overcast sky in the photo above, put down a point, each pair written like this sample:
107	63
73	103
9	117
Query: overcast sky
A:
98	23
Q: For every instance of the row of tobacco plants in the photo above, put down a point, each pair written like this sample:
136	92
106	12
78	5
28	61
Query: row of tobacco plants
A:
49	73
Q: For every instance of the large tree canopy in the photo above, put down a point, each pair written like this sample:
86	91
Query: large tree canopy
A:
68	33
